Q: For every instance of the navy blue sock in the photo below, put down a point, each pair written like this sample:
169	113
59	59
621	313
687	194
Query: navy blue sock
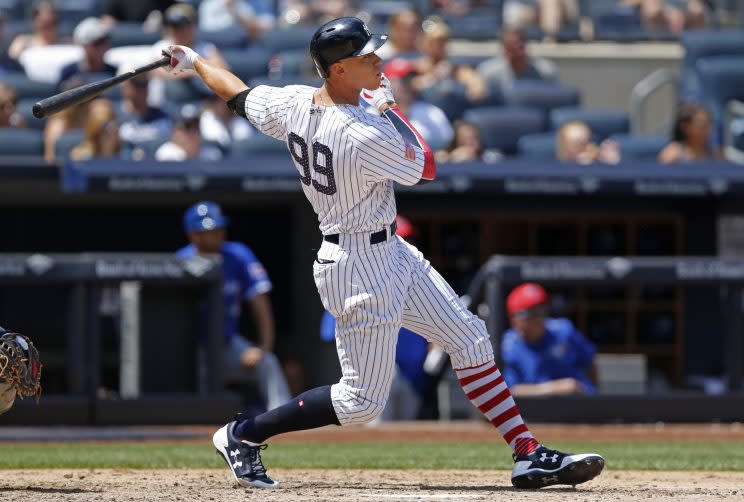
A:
309	410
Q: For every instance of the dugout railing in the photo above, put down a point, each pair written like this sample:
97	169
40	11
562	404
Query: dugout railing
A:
168	317
500	274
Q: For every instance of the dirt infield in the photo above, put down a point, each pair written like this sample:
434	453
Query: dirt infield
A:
357	486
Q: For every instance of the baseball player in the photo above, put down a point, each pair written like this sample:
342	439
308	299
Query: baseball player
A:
370	280
244	280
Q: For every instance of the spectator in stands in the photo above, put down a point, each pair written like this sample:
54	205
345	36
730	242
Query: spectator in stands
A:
147	12
691	136
550	15
139	122
69	119
101	133
434	67
315	12
574	144
404	30
514	63
544	356
219	125
255	16
467	146
92	35
180	29
45	23
8	115
186	141
671	16
244	281
429	120
4	64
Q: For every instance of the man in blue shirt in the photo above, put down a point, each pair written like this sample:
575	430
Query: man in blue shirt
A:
544	356
244	280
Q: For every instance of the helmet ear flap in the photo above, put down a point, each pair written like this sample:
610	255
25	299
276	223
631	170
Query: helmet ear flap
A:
319	68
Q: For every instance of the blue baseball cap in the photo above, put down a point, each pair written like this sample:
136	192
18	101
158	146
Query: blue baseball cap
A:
203	216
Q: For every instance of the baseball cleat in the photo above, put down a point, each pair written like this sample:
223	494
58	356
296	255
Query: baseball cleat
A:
544	467
243	458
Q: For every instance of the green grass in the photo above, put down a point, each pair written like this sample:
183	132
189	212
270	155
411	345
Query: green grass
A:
699	455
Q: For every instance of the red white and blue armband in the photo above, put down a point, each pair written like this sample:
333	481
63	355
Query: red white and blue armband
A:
412	138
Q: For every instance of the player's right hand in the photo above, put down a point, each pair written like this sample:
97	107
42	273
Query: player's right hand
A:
182	58
380	97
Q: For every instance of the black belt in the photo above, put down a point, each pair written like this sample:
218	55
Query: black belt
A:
374	238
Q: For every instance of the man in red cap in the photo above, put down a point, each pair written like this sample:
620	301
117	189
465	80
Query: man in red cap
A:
544	356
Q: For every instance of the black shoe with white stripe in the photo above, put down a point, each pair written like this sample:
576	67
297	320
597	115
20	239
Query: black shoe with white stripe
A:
544	467
243	458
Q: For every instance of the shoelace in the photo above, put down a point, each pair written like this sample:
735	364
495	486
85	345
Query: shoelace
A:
254	459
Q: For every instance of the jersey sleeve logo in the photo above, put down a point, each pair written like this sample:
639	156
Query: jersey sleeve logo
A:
410	152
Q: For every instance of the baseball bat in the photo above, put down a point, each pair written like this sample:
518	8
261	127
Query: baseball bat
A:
70	97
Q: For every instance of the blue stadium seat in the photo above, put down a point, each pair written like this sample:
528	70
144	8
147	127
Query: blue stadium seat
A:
182	91
540	145
615	22
27	88
257	144
447	95
128	33
247	63
73	11
381	10
542	95
638	146
478	24
603	122
700	44
502	126
21	142
24	107
13	9
298	37
231	38
722	80
65	143
294	62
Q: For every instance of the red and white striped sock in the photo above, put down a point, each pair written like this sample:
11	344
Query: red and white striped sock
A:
487	390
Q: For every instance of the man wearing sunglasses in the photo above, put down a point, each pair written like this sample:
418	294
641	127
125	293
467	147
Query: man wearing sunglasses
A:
544	356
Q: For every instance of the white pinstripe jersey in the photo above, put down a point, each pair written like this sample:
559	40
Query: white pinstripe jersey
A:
347	158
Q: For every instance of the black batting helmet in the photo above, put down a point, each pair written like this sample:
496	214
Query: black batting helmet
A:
342	38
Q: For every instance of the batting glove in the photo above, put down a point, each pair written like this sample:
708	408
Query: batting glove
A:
381	96
182	58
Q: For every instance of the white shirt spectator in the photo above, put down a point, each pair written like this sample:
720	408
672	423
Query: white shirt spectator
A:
213	129
171	152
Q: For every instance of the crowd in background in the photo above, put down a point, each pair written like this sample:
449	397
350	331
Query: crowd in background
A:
175	118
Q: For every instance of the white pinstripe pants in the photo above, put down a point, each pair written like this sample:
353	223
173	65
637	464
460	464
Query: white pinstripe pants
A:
373	290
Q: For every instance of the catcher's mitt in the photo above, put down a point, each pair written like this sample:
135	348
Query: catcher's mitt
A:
20	366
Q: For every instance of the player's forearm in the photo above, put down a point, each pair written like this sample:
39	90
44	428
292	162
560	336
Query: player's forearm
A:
412	136
262	314
224	83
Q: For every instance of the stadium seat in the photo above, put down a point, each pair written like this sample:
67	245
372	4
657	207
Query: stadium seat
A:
603	122
257	144
284	81
13	9
540	145
127	33
21	142
502	126
294	62
231	38
276	41
381	10
638	146
700	44
447	95
722	79
26	88
65	143
247	63
620	23
73	11
542	95
24	107
182	91
479	24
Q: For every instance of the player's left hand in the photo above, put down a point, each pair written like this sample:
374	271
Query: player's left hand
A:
182	58
380	97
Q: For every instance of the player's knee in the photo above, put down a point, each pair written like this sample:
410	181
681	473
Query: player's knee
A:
358	408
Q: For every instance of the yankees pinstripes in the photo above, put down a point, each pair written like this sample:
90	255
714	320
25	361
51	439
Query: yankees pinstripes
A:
347	160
